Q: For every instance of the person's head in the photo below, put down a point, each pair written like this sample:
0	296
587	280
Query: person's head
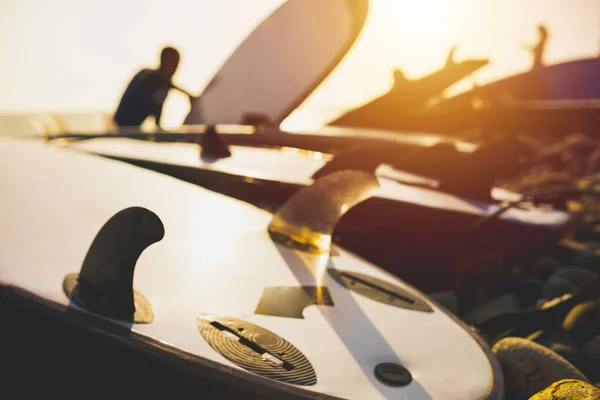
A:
398	75
169	61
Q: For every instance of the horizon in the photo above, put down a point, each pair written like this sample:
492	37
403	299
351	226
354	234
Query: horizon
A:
51	70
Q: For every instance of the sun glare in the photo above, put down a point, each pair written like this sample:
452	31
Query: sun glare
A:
89	70
408	34
427	17
417	33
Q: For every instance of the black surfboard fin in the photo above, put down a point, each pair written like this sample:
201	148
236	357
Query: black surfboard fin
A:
212	145
105	283
307	220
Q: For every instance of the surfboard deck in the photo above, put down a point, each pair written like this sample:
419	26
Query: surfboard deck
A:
403	220
280	63
295	166
212	274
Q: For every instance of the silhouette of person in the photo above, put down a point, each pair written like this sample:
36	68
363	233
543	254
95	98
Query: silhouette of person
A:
146	93
539	49
399	79
450	58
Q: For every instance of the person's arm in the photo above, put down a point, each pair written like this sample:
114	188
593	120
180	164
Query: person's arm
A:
159	109
173	86
190	97
159	102
162	94
158	116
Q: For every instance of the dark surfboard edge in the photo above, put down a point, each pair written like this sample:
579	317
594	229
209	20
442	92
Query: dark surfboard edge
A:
197	366
155	348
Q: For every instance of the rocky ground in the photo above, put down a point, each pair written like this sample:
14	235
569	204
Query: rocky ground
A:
545	328
543	332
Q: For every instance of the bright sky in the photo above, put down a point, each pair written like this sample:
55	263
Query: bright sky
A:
77	55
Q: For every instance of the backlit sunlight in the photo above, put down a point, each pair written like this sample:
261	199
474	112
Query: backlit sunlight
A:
48	68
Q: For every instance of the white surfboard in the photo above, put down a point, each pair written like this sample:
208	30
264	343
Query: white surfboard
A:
281	62
404	220
224	286
290	165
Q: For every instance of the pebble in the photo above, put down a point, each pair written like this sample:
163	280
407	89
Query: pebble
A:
568	389
592	349
592	163
529	291
508	302
582	227
545	267
583	321
541	302
561	343
547	303
530	367
567	280
448	299
587	259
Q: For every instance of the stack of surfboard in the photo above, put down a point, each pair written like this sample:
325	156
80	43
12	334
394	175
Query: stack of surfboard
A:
253	299
264	80
397	228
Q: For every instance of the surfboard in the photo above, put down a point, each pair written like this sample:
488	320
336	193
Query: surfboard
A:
406	97
551	100
572	80
256	300
280	63
405	218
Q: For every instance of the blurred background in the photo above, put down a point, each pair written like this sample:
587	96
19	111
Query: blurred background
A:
78	55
